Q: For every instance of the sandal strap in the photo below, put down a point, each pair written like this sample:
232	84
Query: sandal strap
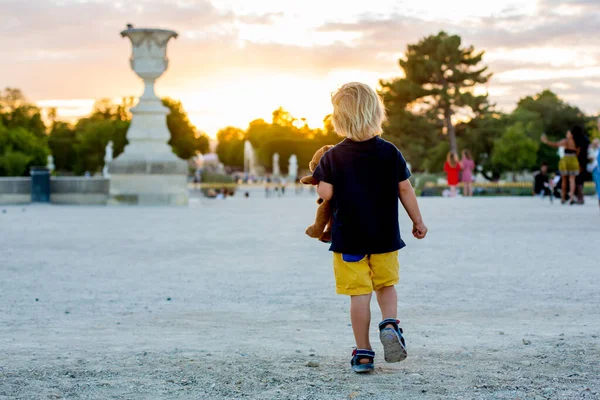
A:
392	321
359	354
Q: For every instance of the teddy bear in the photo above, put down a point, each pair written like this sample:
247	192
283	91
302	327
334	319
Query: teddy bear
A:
321	229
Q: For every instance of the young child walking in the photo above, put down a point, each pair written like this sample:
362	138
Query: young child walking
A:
363	177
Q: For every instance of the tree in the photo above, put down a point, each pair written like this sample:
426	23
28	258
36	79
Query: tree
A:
479	136
440	77
16	112
186	140
91	139
20	150
230	148
546	113
61	142
515	151
414	135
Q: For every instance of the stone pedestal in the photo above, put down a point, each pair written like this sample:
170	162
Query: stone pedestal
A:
148	172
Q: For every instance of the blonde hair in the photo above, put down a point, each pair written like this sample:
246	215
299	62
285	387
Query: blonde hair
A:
358	111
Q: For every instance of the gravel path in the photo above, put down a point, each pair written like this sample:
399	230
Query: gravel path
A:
229	300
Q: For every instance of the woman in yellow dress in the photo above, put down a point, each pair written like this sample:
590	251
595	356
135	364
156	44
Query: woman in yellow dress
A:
568	165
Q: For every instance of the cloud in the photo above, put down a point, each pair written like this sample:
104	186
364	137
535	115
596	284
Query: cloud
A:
263	19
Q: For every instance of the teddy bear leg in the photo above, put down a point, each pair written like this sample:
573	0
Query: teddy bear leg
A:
321	220
326	236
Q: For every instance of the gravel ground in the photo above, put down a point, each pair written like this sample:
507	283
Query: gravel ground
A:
229	300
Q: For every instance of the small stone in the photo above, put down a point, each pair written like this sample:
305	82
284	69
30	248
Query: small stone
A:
36	299
298	351
562	334
312	350
170	381
208	355
312	364
500	333
54	396
526	342
238	382
67	312
353	395
168	299
3	211
312	354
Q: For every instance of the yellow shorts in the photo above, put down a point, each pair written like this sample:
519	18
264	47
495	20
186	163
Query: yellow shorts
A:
373	272
569	165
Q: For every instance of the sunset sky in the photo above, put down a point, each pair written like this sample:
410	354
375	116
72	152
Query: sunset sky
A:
237	60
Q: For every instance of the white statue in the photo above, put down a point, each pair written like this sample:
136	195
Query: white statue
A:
276	170
108	157
134	171
293	167
249	159
50	164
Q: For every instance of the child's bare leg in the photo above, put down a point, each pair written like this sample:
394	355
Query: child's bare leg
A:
388	303
360	315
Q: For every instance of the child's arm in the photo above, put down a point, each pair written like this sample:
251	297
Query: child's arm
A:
409	202
325	190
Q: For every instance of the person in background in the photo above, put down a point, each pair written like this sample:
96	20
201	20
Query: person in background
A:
452	168
283	186
268	186
568	165
542	185
583	143
467	165
594	165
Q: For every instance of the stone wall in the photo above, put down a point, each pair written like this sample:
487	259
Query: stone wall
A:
63	190
15	190
79	190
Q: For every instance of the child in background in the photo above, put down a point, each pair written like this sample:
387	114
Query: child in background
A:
452	168
468	165
363	177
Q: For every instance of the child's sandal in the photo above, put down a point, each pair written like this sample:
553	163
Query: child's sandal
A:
362	354
394	346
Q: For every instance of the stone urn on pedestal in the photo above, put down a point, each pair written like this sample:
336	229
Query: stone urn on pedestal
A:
148	172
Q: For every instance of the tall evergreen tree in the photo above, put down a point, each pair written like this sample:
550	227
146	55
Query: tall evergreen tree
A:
440	76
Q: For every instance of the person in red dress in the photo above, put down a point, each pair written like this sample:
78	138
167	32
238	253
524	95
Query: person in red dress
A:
452	168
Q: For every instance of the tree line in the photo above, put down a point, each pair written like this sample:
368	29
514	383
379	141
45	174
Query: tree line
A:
26	138
432	110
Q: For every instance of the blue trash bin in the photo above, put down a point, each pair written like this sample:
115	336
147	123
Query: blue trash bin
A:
40	184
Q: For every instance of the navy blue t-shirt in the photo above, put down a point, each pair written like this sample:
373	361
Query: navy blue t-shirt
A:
365	178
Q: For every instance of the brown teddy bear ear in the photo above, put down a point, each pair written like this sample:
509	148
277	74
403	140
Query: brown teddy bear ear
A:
309	180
